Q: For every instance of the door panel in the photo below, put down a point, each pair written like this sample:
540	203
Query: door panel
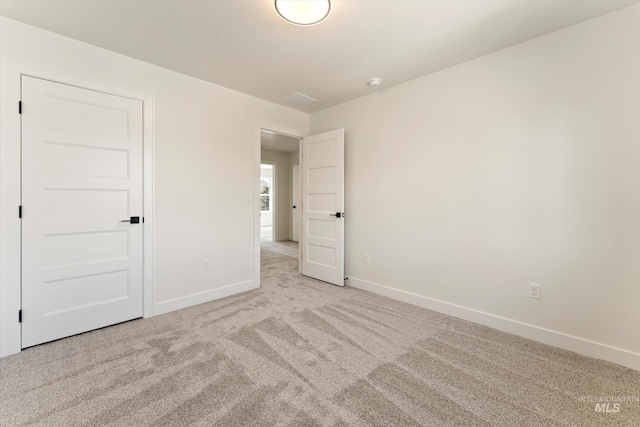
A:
81	176
322	229
97	162
323	207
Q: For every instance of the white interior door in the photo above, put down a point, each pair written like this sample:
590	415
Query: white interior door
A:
323	206
296	202
81	176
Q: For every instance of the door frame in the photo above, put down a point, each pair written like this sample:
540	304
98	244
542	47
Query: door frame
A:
11	194
274	190
258	128
299	202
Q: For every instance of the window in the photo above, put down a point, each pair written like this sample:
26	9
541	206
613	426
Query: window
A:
265	195
266	188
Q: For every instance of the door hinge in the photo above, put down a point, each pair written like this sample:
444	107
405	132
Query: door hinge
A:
20	211
19	107
20	316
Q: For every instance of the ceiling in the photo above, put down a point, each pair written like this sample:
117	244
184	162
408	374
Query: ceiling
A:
246	46
278	142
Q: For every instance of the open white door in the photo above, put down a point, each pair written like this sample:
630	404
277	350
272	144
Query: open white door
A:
323	206
81	179
296	203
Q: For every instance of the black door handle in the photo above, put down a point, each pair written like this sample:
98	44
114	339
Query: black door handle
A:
132	220
337	214
294	206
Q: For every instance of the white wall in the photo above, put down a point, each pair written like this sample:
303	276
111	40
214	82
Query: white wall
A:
283	193
204	162
294	158
520	166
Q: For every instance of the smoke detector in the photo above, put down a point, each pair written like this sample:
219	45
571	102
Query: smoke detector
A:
375	82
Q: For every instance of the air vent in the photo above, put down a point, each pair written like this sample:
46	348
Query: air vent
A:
298	99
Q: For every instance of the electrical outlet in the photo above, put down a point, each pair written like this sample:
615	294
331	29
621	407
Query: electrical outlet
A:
534	291
206	265
365	258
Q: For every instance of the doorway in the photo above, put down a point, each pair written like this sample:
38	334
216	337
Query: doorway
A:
12	310
279	155
320	250
82	198
267	202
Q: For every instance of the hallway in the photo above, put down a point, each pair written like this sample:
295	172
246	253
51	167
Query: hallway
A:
288	248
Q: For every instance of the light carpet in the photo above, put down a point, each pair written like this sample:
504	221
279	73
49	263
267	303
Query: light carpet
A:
299	352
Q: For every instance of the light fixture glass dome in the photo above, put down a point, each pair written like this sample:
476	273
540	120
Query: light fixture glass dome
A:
303	12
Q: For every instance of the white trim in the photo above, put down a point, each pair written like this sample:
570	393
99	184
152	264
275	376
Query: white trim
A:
10	197
203	297
535	333
259	126
10	194
148	203
300	205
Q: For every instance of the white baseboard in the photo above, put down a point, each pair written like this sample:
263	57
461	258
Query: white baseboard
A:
536	333
202	297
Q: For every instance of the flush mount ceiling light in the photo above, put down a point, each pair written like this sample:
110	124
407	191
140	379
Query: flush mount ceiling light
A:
303	12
